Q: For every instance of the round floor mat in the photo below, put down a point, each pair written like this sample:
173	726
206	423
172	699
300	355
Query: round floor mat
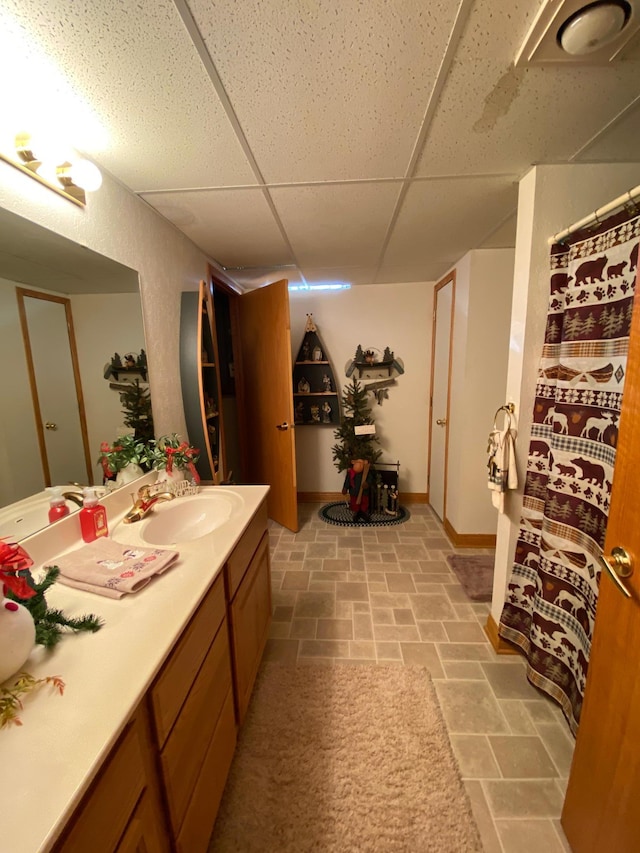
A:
339	513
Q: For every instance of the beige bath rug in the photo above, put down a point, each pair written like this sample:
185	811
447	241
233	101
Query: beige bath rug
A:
344	758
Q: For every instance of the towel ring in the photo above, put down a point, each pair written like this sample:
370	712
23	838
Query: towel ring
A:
508	409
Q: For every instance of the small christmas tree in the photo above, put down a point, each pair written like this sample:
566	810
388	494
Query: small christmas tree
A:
137	411
356	413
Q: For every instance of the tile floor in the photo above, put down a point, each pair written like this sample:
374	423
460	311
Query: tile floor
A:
387	595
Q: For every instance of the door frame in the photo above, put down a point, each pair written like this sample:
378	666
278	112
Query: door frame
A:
444	281
21	293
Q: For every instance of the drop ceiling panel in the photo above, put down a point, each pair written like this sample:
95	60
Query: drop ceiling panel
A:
494	118
135	64
342	274
440	220
235	227
621	143
338	223
328	90
251	279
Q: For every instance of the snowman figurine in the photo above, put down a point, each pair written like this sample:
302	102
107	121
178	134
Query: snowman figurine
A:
17	637
17	628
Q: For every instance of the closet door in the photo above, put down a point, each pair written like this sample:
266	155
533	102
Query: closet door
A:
440	379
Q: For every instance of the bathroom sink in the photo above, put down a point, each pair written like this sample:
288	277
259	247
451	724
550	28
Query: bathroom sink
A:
184	519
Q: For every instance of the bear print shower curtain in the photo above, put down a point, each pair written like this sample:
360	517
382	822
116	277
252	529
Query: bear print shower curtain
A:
551	598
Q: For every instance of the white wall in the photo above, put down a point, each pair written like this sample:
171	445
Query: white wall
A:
19	440
480	346
104	324
550	198
393	315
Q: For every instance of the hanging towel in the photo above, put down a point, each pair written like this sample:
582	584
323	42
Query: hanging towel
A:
109	568
501	463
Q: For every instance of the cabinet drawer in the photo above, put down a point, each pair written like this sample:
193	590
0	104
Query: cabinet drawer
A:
102	817
203	806
186	747
173	684
245	549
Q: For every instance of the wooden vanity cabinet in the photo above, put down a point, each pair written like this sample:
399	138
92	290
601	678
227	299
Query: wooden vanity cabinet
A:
121	811
193	713
248	581
160	788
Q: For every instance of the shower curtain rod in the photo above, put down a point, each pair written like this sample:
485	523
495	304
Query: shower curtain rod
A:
625	198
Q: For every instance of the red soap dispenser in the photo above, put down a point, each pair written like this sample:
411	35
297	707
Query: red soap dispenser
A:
93	517
57	504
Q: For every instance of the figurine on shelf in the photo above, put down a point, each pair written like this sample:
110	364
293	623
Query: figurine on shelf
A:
303	386
357	483
326	413
305	351
315	414
129	360
299	413
326	382
317	353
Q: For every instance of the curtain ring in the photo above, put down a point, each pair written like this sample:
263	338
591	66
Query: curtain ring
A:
596	217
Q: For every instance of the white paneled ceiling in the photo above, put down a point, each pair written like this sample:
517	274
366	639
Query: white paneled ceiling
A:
354	140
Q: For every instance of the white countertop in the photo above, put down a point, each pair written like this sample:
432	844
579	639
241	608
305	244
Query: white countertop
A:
49	761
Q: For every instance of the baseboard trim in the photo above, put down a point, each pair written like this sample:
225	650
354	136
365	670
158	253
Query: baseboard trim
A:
325	497
319	497
500	646
469	540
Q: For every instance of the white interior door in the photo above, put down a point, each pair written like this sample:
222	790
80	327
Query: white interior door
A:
439	425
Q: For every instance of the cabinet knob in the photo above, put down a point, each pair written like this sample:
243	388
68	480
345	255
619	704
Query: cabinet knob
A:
50	425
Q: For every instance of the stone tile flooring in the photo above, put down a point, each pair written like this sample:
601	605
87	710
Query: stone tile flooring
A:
387	596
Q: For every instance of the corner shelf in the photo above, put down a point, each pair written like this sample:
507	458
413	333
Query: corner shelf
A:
323	406
201	381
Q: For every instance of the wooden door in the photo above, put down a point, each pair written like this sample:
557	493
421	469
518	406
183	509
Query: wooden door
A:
265	346
443	296
601	808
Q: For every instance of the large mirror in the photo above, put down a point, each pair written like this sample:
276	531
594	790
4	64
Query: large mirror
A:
53	292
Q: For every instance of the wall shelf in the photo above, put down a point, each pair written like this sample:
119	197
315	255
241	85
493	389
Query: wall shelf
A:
315	393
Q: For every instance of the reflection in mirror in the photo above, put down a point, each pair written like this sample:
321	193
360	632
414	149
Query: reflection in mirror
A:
106	314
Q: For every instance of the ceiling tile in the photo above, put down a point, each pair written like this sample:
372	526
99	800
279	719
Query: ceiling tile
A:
619	144
494	118
254	278
338	223
235	227
440	220
504	237
137	67
339	275
328	90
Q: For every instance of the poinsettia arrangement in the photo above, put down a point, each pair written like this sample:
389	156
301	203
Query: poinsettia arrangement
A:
169	451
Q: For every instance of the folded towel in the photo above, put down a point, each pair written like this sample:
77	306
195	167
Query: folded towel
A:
502	464
109	568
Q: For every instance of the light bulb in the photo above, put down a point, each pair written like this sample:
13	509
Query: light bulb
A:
44	147
592	28
85	175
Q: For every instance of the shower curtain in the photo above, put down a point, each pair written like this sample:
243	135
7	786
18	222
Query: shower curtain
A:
551	598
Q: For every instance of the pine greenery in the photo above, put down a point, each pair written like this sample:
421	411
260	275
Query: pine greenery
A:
137	411
356	412
50	622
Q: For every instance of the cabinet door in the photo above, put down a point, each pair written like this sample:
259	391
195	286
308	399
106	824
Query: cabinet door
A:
250	618
141	836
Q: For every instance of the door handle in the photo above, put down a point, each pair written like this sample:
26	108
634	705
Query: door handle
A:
284	426
619	566
49	425
441	421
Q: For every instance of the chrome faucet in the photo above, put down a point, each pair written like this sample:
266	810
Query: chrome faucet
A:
144	502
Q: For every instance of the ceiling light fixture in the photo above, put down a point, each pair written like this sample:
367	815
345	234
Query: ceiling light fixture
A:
328	285
593	27
579	32
51	163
